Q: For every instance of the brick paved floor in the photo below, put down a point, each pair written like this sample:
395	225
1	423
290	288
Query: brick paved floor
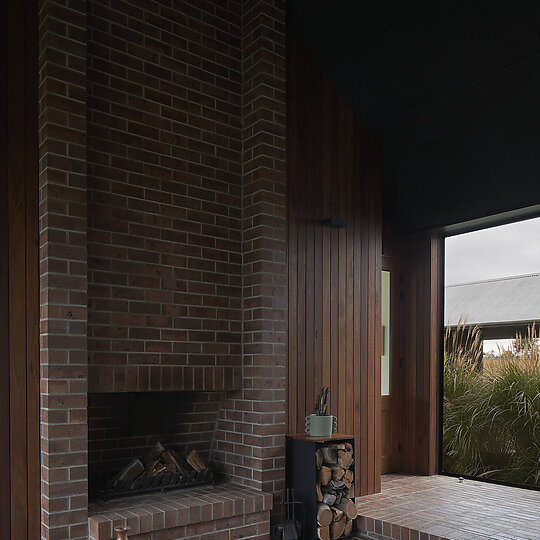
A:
439	507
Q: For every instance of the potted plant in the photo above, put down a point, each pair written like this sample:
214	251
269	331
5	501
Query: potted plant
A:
320	423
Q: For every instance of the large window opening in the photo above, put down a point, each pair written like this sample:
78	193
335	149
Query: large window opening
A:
491	389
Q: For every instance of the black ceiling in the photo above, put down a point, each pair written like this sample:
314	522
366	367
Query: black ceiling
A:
452	90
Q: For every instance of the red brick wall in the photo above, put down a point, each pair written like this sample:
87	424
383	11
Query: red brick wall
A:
63	281
264	239
177	116
164	197
252	425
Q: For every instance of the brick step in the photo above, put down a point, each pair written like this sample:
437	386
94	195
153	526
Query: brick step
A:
233	511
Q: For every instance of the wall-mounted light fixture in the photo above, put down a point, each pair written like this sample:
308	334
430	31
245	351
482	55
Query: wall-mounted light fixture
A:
334	223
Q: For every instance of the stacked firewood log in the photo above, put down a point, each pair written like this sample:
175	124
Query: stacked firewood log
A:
161	461
335	491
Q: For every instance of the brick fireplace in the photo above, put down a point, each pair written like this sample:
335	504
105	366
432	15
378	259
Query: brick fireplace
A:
126	426
162	252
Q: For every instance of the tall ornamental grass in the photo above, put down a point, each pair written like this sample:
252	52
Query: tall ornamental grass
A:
491	418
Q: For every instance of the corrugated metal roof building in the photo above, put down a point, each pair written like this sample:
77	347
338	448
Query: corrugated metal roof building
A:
500	306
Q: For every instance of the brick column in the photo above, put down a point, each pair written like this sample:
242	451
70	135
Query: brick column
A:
264	242
63	268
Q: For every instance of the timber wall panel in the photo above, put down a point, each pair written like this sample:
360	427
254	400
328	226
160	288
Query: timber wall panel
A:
19	405
4	295
334	274
19	364
423	260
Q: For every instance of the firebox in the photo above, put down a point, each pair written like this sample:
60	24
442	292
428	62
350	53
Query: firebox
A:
143	441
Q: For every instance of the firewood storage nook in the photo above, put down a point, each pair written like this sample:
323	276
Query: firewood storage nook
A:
321	472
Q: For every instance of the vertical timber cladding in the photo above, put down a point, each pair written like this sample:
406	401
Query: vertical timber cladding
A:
423	261
334	274
19	402
4	296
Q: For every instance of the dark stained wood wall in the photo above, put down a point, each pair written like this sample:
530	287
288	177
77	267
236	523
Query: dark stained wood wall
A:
334	334
4	296
423	262
19	295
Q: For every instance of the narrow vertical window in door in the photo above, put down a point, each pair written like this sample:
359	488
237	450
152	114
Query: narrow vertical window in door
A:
385	338
390	377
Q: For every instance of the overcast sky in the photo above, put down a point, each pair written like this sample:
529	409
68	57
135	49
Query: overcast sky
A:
508	250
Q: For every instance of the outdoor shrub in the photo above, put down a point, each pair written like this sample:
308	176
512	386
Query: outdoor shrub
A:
491	418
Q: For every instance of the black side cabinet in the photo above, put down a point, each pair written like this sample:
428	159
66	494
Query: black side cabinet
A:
302	473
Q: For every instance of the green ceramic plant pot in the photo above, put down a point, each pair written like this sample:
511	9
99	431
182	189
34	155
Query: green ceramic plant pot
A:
321	426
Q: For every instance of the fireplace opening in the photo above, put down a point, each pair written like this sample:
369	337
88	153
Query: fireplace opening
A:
141	441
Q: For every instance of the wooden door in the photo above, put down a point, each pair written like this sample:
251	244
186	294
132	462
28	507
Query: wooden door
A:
391	316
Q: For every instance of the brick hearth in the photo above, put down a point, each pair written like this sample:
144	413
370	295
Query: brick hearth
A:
231	511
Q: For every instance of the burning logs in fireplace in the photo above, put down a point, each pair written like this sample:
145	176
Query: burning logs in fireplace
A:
160	469
335	477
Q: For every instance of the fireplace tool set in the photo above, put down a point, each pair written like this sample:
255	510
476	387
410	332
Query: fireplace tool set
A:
289	528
